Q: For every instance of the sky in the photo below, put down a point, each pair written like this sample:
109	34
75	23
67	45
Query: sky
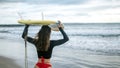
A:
68	11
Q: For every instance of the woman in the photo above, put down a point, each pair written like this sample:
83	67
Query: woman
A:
44	45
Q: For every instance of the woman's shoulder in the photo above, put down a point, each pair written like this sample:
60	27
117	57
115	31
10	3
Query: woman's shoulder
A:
52	42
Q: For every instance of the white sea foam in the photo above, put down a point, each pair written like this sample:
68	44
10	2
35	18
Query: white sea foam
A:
95	37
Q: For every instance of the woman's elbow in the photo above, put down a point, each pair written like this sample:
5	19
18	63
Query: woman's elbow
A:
23	36
67	39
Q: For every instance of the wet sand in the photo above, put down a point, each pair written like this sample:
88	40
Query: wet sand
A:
12	54
6	62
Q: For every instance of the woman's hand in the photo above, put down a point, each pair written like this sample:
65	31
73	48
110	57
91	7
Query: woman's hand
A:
59	24
26	25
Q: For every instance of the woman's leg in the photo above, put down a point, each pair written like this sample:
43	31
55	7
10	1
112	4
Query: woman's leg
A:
50	66
36	66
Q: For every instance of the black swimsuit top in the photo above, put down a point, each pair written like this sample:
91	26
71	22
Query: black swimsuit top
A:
47	54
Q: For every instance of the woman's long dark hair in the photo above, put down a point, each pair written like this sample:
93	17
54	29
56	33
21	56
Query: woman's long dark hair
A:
43	41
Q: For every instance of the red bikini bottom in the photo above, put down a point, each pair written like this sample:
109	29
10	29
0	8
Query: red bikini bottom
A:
42	64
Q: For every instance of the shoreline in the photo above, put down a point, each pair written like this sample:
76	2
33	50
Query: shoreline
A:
12	56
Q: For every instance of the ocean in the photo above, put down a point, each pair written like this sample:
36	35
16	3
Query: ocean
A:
91	45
